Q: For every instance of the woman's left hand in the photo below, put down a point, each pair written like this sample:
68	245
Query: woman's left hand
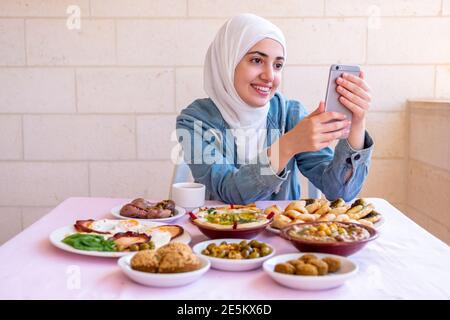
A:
355	95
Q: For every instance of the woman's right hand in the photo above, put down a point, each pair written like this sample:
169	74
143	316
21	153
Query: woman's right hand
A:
316	132
312	133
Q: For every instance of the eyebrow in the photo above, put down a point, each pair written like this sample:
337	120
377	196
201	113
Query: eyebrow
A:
264	54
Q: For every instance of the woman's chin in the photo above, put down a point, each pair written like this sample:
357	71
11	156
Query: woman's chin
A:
259	102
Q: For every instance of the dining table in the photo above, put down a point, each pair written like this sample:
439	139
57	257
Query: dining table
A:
404	262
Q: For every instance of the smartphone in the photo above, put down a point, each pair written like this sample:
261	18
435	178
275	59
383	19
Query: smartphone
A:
332	102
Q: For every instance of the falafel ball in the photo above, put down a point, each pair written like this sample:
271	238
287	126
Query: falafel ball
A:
334	264
296	263
307	270
306	257
285	268
322	266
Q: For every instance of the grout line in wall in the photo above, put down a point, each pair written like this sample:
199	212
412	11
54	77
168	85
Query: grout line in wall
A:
90	9
53	161
76	89
135	136
23	136
432	166
93	114
116	54
435	82
141	114
441	13
187	8
406	149
200	66
21	219
175	90
147	160
89	178
28	206
221	18
25	41
324	12
366	47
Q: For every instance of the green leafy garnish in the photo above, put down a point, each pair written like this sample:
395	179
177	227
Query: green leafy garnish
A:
89	242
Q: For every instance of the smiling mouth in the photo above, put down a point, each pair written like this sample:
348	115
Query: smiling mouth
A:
263	91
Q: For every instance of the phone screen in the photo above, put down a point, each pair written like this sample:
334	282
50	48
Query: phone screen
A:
332	102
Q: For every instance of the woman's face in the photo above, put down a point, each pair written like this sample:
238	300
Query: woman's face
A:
258	74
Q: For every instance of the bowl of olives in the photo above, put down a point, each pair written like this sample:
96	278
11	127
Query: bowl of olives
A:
235	254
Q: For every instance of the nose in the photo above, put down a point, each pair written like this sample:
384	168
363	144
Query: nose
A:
267	74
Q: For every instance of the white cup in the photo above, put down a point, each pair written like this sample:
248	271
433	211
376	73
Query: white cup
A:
188	194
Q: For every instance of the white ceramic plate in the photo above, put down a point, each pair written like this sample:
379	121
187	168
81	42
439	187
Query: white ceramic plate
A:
332	280
377	225
231	264
58	235
162	279
273	230
179	212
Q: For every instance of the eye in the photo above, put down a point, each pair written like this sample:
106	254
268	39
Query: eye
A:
278	66
256	60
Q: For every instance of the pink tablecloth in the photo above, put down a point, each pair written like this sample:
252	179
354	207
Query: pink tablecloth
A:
404	262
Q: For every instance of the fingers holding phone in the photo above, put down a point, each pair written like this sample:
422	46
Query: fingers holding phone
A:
354	94
318	130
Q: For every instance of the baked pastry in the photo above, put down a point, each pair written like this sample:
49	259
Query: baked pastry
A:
146	261
174	257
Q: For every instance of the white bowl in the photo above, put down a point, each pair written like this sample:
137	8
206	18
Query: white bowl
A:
231	264
332	280
164	280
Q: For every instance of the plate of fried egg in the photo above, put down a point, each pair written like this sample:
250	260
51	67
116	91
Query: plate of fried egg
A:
116	238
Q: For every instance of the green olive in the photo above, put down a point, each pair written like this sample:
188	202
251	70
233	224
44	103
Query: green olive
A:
144	246
248	248
234	255
254	244
265	251
253	255
210	246
206	252
223	243
245	253
243	243
134	247
120	248
151	244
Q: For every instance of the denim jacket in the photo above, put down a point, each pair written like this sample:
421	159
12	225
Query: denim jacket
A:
235	183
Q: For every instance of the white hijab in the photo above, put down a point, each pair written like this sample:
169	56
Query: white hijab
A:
232	42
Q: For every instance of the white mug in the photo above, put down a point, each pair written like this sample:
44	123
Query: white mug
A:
188	194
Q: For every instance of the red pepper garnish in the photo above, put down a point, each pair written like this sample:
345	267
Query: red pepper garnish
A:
235	225
192	215
271	214
231	206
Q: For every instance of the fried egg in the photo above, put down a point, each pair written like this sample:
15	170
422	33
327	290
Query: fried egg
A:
160	238
104	225
115	226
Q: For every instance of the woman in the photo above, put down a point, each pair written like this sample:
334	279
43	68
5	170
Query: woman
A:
246	142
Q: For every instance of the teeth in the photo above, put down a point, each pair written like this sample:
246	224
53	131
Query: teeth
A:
265	89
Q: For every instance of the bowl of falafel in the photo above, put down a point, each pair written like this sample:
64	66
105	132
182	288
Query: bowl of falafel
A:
310	271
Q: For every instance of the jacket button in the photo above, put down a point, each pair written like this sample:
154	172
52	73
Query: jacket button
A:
357	157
